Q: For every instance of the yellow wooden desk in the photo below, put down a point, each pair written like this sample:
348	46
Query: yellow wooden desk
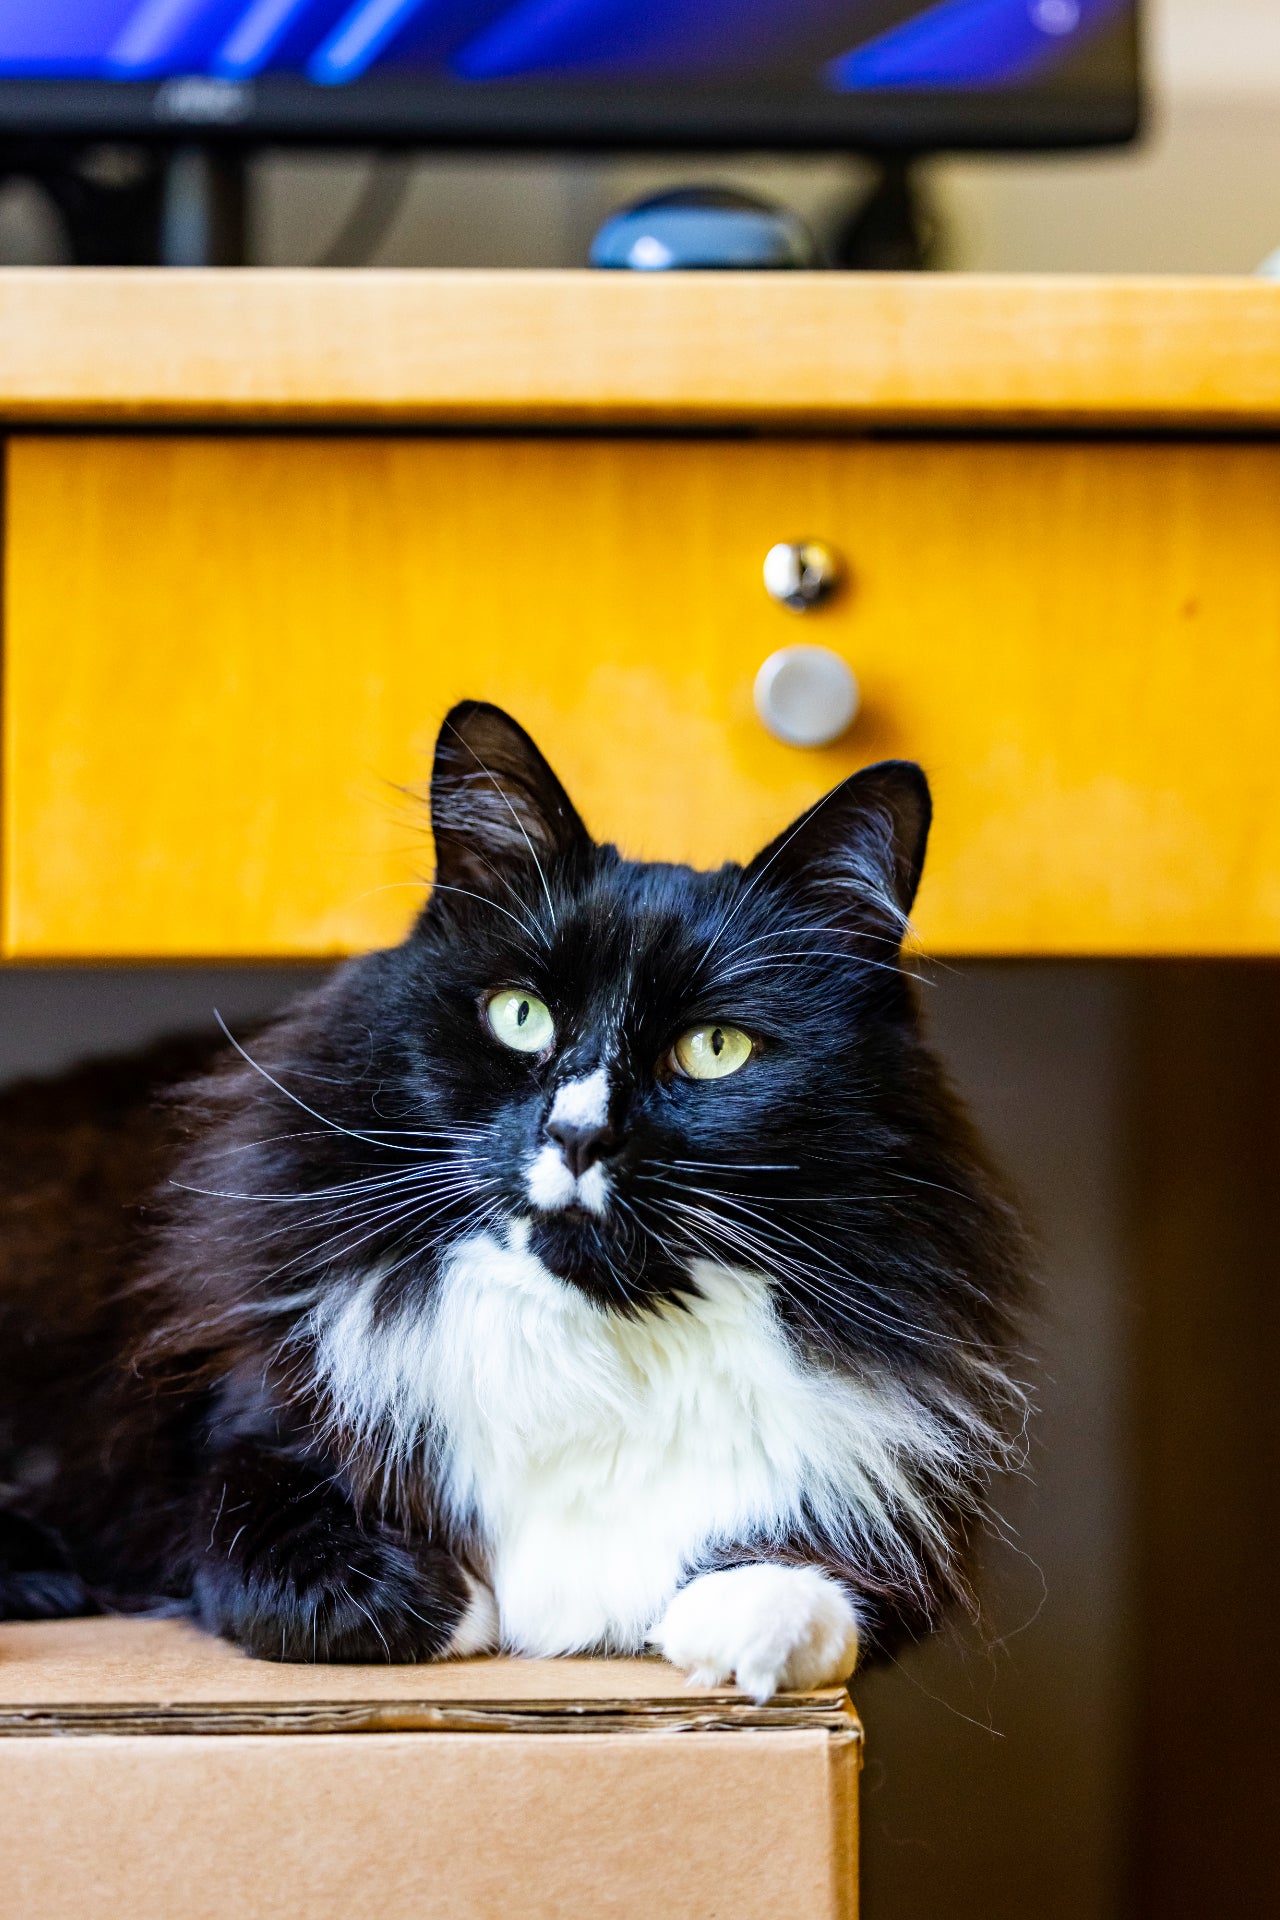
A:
262	528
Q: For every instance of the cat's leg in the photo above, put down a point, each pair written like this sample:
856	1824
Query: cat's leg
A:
285	1567
773	1629
37	1581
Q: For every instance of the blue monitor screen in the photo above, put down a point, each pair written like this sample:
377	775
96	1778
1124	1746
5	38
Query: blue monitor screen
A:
791	53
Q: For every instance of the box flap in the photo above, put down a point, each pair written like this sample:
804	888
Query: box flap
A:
167	1676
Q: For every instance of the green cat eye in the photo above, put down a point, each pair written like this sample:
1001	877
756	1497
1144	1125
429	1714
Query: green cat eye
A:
520	1020
711	1053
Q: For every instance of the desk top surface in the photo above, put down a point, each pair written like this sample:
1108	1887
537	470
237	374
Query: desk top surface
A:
589	350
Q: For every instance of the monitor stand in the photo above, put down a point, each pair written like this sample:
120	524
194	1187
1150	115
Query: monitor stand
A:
133	206
203	218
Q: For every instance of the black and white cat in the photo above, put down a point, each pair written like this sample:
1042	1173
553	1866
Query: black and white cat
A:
608	1265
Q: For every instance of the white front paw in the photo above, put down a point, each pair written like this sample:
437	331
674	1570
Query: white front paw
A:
774	1629
477	1627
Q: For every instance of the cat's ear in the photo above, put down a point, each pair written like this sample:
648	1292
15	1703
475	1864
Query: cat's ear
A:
495	803
861	847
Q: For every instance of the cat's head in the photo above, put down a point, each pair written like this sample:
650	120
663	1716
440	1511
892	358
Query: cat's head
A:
634	1072
632	1068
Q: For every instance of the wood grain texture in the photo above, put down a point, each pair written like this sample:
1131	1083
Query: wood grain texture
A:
226	658
563	348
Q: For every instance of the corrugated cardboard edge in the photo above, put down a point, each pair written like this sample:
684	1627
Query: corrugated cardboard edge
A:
830	1711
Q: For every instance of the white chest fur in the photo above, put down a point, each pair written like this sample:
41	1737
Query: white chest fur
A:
600	1457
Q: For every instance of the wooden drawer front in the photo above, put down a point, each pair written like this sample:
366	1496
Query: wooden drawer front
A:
225	657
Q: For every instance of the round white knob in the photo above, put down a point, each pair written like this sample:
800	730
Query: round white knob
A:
806	696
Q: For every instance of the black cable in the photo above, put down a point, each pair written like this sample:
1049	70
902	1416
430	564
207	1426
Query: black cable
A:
371	218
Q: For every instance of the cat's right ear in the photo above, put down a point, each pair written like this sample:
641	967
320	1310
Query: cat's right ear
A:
859	851
495	803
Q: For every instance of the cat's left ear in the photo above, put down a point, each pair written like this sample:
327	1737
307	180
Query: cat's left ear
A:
863	844
495	803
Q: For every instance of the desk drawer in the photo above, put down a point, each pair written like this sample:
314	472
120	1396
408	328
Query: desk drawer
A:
225	657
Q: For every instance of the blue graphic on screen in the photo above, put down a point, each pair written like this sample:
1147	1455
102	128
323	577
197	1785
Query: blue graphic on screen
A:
816	43
968	43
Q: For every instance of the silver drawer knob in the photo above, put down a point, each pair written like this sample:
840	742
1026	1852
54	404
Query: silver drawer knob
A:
802	573
806	696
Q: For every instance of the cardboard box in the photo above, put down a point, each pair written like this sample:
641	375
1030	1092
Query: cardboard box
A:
149	1772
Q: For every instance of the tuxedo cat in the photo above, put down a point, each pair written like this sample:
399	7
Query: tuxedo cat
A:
607	1265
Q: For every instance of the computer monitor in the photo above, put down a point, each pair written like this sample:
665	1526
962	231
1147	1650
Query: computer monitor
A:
882	75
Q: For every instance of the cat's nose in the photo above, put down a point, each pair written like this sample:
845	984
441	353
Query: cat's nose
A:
582	1145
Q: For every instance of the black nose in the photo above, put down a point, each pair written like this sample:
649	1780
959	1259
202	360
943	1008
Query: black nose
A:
581	1146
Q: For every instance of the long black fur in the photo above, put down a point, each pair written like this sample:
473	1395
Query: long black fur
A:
164	1261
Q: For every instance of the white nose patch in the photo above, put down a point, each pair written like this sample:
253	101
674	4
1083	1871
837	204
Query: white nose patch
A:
549	1182
583	1103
